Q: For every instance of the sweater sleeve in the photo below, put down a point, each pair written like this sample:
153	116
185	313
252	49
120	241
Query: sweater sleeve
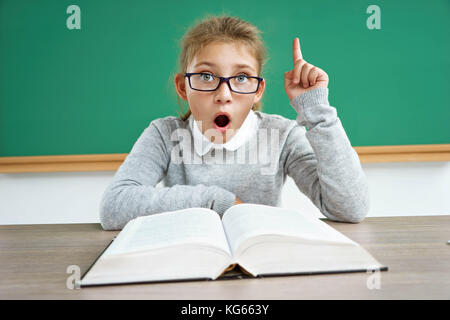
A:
133	191
322	161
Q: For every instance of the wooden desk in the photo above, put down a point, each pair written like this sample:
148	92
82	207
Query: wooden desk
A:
34	260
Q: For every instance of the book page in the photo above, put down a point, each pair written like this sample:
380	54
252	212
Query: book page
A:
244	221
187	226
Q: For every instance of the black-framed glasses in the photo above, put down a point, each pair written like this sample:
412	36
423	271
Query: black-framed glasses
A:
209	82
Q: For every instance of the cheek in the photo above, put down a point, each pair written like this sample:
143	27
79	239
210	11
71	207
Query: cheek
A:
247	100
194	102
198	107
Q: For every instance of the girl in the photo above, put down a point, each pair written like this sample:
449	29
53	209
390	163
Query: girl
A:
220	68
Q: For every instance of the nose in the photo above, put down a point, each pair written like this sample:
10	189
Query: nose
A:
223	93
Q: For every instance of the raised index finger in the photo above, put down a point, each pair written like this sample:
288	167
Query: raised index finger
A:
296	52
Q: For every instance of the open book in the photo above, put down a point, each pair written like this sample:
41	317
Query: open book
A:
196	243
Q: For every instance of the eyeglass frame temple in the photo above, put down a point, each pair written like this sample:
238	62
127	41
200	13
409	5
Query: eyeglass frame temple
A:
222	79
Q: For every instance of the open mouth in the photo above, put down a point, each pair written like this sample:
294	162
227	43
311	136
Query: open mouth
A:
222	121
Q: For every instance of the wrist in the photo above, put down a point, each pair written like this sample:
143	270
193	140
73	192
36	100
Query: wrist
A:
311	97
222	200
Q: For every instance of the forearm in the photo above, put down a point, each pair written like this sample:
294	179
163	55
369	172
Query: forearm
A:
340	187
123	202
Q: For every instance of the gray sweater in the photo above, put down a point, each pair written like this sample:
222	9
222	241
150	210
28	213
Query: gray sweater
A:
320	160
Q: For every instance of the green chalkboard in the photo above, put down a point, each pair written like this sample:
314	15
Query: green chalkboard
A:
93	90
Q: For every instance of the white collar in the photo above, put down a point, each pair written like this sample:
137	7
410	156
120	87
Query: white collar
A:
202	145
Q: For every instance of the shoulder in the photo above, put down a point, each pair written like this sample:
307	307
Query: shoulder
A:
170	122
167	125
275	121
291	134
159	133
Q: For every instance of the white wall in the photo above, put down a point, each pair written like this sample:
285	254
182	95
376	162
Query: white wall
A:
397	189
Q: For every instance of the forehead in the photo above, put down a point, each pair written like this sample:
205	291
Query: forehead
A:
223	56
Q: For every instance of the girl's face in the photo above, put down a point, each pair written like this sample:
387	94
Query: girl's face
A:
226	60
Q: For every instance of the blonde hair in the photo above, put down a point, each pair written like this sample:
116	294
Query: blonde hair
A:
221	28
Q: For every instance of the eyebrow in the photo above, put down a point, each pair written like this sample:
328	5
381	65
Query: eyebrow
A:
213	65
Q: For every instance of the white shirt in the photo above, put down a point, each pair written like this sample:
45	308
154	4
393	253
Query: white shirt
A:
202	145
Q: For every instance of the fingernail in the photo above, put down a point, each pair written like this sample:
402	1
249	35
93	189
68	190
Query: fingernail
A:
305	85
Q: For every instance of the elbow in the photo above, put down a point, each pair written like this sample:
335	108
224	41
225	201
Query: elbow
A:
358	202
358	207
106	222
346	215
352	209
105	218
108	215
355	218
117	208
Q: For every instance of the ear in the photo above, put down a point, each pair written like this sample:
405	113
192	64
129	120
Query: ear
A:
259	93
180	85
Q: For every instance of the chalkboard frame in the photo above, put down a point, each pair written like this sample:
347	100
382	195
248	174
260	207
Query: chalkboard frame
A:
111	162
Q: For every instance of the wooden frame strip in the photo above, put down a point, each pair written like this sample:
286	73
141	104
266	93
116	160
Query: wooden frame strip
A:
111	162
94	162
408	153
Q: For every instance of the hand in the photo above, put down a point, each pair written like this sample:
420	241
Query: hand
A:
238	201
304	77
